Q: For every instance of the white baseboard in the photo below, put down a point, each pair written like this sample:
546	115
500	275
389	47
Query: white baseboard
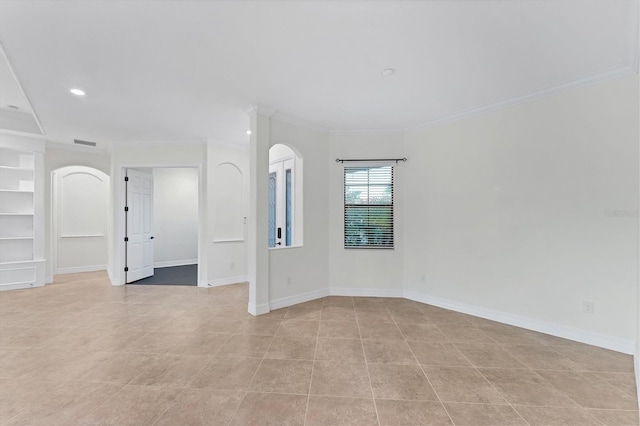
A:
78	269
256	310
365	292
566	332
223	281
115	281
284	302
618	344
20	286
170	263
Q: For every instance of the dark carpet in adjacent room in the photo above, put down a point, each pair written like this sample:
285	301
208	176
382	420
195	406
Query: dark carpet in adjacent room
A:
174	275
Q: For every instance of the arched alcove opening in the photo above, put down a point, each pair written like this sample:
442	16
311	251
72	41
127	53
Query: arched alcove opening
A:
228	203
79	219
285	226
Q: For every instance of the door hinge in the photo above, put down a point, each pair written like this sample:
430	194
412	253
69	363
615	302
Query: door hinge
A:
126	178
126	209
126	269
126	239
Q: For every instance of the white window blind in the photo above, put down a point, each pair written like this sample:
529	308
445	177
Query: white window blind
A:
368	207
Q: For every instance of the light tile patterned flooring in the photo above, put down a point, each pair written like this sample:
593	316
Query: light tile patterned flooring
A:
83	352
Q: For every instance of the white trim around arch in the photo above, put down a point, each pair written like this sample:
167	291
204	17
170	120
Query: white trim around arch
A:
55	218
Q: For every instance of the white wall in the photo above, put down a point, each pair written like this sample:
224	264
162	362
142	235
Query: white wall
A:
637	354
507	212
364	271
214	258
80	196
175	216
301	273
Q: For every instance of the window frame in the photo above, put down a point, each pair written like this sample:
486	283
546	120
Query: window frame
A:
284	164
356	206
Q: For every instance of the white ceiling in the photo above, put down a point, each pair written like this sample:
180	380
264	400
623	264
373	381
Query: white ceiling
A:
187	70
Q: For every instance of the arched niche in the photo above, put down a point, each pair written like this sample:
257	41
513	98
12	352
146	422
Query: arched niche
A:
228	206
80	219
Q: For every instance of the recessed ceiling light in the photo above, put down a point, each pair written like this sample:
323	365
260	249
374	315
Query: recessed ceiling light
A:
248	132
388	71
77	92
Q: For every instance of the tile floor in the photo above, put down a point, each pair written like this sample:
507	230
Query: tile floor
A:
80	351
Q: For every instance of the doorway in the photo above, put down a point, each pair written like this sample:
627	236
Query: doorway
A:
162	225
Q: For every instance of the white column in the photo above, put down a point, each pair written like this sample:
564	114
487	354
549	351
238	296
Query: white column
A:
258	246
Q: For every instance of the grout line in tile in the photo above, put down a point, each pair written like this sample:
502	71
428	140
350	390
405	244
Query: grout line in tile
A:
313	364
366	363
246	391
428	380
491	384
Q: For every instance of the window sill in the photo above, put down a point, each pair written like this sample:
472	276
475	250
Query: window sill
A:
285	248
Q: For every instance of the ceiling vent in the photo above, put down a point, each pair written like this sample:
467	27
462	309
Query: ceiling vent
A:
86	143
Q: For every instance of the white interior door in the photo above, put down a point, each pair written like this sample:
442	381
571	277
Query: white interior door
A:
139	225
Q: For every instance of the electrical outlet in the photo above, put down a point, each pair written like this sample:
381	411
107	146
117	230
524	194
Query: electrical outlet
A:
423	278
232	265
587	307
288	280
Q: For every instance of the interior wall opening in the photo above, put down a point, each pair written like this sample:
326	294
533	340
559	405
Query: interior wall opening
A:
285	225
162	226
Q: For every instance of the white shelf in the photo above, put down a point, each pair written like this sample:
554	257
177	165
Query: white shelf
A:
15	159
18	169
17	201
21	209
23	262
16	226
16	250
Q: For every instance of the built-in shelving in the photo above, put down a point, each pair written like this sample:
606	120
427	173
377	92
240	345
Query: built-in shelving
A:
21	212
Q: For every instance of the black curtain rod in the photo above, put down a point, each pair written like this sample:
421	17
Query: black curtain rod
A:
372	160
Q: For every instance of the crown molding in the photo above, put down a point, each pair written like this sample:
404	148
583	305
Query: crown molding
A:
299	122
228	145
78	148
260	110
160	143
364	132
574	84
513	101
57	143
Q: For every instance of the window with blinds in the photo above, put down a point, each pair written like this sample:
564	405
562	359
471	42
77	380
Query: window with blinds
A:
368	207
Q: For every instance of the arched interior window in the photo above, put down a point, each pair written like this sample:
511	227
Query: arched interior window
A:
285	197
